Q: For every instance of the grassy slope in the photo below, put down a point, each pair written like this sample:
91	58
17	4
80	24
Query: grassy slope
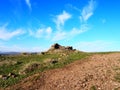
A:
19	63
27	64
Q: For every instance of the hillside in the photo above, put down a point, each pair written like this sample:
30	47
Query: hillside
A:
15	68
97	72
64	68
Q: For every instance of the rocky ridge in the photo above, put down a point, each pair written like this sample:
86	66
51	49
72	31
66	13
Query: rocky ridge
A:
57	48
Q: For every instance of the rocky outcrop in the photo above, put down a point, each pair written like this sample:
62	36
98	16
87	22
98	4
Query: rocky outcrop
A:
56	46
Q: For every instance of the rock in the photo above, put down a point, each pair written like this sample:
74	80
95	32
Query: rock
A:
22	72
32	67
59	59
56	46
13	75
54	61
18	62
4	77
25	53
69	48
0	76
42	53
29	68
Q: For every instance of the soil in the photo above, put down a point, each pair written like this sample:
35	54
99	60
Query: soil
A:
96	72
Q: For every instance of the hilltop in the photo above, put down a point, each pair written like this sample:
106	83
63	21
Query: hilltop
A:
57	48
61	68
14	68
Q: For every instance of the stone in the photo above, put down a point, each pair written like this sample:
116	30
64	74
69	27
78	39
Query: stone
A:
0	76
69	48
42	53
13	75
56	46
54	61
4	77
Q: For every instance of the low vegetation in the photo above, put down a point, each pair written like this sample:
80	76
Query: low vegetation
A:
93	88
14	68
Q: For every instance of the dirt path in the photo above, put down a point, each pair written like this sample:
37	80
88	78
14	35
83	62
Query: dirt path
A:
95	73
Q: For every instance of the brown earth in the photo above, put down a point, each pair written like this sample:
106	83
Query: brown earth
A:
97	72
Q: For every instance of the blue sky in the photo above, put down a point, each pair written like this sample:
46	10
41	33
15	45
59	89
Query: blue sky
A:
34	25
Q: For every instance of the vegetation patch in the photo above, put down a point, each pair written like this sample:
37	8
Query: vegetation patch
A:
117	77
24	65
30	67
118	88
93	88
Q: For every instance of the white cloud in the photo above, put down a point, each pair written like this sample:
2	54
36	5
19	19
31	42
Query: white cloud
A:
37	34
61	35
61	19
87	11
41	32
5	34
73	7
83	28
94	46
28	3
49	30
76	31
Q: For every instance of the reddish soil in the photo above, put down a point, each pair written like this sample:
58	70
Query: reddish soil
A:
97	71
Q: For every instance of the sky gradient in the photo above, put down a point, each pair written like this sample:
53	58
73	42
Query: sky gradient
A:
34	25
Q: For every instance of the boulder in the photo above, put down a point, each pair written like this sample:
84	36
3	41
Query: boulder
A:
69	48
13	75
43	53
0	76
55	46
29	68
54	61
4	77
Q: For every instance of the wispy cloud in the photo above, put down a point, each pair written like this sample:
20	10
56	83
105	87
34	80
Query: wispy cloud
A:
5	34
28	4
61	35
41	32
73	7
83	28
48	32
88	11
61	19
